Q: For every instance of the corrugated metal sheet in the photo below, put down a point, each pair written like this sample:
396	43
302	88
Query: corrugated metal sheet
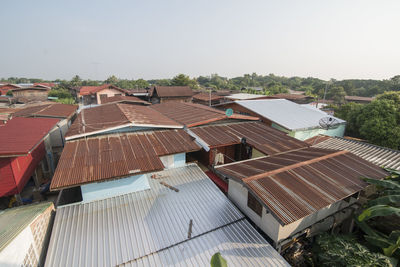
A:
20	135
102	118
262	137
238	243
380	156
300	188
125	228
172	91
123	99
48	110
113	156
286	113
206	97
191	114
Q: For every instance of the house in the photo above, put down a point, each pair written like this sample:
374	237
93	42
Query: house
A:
94	94
176	217
162	94
96	162
142	93
4	88
117	118
207	99
6	101
25	234
358	99
63	112
190	114
31	94
25	151
381	156
296	120
230	142
125	99
300	192
50	85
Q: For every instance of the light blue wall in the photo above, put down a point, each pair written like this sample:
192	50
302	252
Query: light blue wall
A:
179	160
96	191
305	134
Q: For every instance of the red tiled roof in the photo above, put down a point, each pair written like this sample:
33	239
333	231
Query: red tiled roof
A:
172	91
115	156
89	90
206	97
191	114
114	116
260	136
38	88
296	184
123	99
48	110
20	135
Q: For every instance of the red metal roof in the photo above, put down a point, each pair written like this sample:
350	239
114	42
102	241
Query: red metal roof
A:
45	84
49	110
115	156
260	136
191	114
20	135
89	90
114	116
296	184
172	91
124	99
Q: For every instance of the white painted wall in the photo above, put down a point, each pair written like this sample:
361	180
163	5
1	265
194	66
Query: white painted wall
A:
14	253
238	194
102	190
109	92
174	161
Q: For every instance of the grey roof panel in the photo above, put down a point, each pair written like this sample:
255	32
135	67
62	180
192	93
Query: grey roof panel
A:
117	230
290	115
381	156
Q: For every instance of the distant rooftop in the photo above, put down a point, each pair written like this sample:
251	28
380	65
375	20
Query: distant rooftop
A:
287	114
190	114
89	90
243	96
172	91
124	99
48	110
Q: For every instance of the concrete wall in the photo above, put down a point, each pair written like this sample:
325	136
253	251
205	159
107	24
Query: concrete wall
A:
57	137
238	194
30	95
102	190
109	92
305	134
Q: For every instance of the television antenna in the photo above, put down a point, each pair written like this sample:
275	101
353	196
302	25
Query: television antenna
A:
329	123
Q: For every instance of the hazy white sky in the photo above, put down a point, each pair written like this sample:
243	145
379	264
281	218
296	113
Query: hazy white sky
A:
158	39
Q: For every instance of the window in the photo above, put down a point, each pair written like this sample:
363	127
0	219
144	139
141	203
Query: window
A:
253	204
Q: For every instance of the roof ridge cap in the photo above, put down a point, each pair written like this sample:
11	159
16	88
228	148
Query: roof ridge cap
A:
292	166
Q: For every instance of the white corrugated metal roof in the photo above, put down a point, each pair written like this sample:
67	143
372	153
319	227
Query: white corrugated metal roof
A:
380	156
144	226
243	96
287	114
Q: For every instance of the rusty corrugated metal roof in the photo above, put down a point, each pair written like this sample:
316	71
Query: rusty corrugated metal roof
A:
172	91
113	156
262	137
49	110
191	114
296	184
113	116
206	96
124	99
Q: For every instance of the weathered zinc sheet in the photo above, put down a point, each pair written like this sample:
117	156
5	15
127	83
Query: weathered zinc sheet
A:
130	227
300	188
380	156
262	137
238	243
114	156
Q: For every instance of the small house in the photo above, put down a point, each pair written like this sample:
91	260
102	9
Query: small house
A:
94	94
31	94
162	94
208	99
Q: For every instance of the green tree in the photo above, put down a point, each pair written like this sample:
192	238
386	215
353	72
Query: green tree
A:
337	93
76	81
112	80
349	112
183	80
9	93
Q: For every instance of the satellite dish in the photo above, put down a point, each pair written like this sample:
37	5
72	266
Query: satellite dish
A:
229	112
329	123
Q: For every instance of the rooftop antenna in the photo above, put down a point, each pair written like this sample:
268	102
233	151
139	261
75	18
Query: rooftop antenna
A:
329	123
